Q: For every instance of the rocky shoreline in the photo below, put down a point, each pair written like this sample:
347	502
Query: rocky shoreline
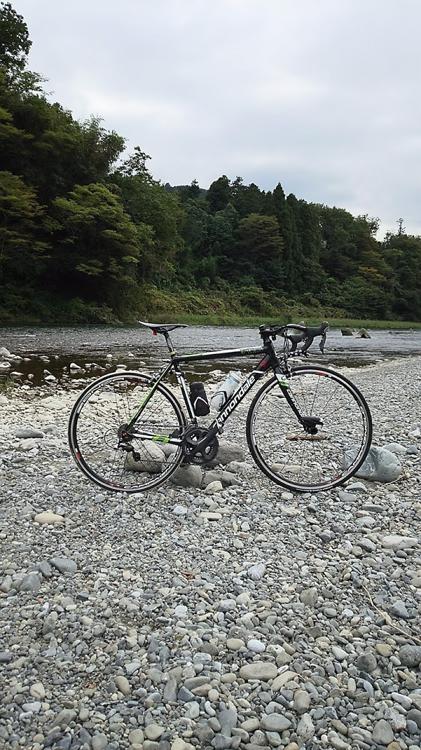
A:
235	615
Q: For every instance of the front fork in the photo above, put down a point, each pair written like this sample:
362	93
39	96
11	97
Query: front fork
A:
310	423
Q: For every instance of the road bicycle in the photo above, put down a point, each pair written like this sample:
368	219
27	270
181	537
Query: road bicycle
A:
308	427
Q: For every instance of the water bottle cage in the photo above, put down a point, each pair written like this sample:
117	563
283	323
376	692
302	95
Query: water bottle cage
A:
199	399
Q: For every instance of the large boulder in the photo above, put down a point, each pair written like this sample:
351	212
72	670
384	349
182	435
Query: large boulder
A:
380	465
151	458
187	476
346	331
228	452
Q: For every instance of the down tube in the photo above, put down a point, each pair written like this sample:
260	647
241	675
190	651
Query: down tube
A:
236	398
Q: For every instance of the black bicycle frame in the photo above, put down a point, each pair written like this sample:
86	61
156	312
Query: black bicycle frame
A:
269	360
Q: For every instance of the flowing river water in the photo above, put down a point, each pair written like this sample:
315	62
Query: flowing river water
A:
55	348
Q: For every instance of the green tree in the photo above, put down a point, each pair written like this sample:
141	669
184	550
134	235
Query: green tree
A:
246	199
402	254
14	48
158	215
288	231
219	194
98	246
259	250
22	249
14	40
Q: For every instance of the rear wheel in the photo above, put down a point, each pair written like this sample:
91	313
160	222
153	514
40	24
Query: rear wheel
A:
332	444
109	455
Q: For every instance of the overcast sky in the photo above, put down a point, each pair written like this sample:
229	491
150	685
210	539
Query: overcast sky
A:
321	95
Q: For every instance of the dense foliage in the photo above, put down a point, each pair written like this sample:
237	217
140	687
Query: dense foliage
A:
87	237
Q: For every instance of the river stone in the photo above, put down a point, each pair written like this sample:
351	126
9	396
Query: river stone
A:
64	564
63	718
234	644
301	701
99	741
414	715
309	597
398	609
382	732
283	679
37	690
255	645
187	476
410	656
274	723
396	448
153	731
339	653
380	465
259	670
136	737
179	744
305	728
337	742
31	582
395	541
257	571
228	720
122	684
28	432
48	517
366	662
214	487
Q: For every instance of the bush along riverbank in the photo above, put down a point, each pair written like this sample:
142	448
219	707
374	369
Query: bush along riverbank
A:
237	307
227	614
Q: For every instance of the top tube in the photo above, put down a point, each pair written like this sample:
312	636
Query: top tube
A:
222	353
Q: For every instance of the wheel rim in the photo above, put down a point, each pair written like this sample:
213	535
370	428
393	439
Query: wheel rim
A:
297	459
97	424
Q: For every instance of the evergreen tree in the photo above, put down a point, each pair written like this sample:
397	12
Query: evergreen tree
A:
219	194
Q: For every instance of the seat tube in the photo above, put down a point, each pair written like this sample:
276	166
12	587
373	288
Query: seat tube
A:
183	385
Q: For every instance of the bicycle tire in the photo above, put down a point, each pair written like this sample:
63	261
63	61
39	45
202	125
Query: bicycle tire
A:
333	458
93	433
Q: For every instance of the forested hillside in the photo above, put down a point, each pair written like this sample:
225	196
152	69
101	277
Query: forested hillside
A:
89	236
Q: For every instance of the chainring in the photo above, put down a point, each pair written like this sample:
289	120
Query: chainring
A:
192	450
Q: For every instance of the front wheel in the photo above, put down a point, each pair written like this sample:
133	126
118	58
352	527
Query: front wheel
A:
324	449
118	458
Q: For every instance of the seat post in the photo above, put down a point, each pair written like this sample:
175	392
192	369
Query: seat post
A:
169	344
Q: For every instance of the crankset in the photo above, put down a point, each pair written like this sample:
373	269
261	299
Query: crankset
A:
199	445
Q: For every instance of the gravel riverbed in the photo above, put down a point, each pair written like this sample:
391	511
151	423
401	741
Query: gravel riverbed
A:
235	617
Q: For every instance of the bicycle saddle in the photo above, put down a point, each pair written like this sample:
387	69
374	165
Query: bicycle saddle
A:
162	327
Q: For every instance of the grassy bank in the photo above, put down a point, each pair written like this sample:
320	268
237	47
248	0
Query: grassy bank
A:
310	318
242	306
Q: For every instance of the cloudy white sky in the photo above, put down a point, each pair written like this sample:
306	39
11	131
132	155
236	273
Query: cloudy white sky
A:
322	95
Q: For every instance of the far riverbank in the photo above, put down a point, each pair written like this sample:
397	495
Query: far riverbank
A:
42	350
